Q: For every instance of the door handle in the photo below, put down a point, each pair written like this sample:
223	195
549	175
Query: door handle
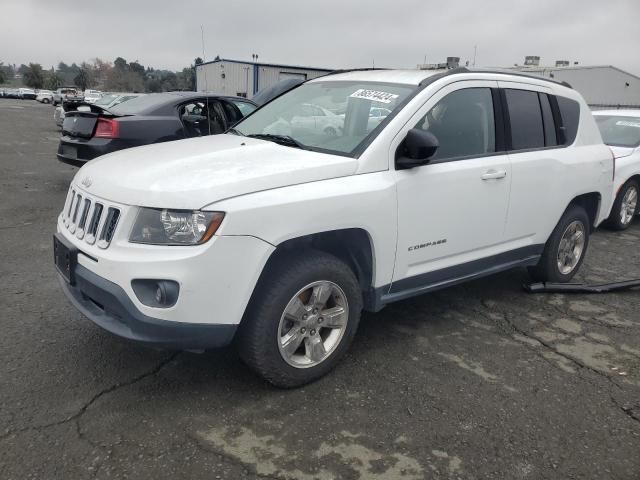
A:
494	175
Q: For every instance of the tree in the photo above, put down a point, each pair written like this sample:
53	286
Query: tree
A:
120	64
54	81
153	85
34	76
198	61
3	76
83	79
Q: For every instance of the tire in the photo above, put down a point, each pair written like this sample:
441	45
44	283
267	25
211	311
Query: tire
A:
548	269
45	100
625	207
265	326
330	132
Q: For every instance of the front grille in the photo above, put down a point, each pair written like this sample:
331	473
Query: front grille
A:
85	217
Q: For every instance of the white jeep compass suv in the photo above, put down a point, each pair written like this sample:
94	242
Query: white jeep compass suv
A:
278	234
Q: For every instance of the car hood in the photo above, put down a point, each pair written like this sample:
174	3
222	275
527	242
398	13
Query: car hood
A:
620	152
190	174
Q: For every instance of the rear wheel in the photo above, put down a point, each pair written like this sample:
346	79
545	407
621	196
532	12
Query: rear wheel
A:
302	318
45	100
566	248
625	206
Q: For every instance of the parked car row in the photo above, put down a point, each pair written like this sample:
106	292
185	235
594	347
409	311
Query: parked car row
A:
20	93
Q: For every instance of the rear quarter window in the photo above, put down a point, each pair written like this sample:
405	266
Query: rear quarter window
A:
570	115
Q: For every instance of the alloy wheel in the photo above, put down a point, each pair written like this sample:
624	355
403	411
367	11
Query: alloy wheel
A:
313	323
571	247
629	205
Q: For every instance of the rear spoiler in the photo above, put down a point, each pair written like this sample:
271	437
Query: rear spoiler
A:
73	106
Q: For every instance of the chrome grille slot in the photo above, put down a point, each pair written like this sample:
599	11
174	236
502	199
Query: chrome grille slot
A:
83	218
92	221
92	229
76	208
109	227
69	208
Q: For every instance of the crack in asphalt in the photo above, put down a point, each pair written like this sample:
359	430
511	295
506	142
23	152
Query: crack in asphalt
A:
231	459
628	411
92	400
548	345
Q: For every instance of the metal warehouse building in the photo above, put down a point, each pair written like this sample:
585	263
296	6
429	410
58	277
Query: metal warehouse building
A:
602	86
244	79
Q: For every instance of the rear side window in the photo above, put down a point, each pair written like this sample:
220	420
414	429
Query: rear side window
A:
570	113
527	130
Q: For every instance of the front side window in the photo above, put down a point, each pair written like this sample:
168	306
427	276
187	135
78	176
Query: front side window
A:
463	122
331	116
527	130
619	131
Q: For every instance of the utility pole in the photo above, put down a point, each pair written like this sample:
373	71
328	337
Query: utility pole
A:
475	52
202	34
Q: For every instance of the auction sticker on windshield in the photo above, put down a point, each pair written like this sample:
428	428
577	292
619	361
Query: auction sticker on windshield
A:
382	97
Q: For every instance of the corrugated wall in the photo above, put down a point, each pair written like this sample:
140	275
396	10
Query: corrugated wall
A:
233	78
600	86
225	78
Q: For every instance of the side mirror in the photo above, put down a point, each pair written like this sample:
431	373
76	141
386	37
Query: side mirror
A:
416	149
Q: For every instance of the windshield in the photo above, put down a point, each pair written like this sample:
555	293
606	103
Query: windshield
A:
329	116
106	99
619	131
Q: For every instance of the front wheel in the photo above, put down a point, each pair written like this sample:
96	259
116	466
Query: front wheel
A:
301	319
566	248
625	207
45	100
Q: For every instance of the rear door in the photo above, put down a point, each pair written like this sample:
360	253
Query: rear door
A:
537	163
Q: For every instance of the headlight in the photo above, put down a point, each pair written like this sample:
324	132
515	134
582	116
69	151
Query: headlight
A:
174	227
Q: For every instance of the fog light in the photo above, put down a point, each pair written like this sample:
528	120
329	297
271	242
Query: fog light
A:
156	293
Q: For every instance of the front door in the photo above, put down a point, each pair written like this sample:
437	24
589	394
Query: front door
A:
452	211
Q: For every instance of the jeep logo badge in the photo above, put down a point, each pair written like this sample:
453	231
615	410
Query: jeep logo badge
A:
86	181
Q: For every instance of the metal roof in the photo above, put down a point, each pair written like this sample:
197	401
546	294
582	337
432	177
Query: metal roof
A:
275	65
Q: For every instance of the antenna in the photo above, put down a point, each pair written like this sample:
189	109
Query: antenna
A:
204	71
475	52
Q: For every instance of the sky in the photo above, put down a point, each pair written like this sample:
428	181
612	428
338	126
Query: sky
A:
329	33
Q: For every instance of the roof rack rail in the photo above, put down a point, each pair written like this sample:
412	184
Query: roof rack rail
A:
347	70
516	73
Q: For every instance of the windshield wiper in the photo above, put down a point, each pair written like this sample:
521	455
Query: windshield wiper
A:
280	139
235	132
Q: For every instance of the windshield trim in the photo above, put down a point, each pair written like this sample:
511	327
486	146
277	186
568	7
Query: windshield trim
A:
366	141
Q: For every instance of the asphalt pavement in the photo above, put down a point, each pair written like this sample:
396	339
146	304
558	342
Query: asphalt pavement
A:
477	381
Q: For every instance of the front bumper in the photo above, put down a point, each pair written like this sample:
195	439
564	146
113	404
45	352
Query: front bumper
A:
108	306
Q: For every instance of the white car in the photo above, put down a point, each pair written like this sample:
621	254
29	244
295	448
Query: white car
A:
27	93
91	96
307	117
280	241
44	96
620	130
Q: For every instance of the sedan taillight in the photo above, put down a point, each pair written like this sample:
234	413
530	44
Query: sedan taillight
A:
107	128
